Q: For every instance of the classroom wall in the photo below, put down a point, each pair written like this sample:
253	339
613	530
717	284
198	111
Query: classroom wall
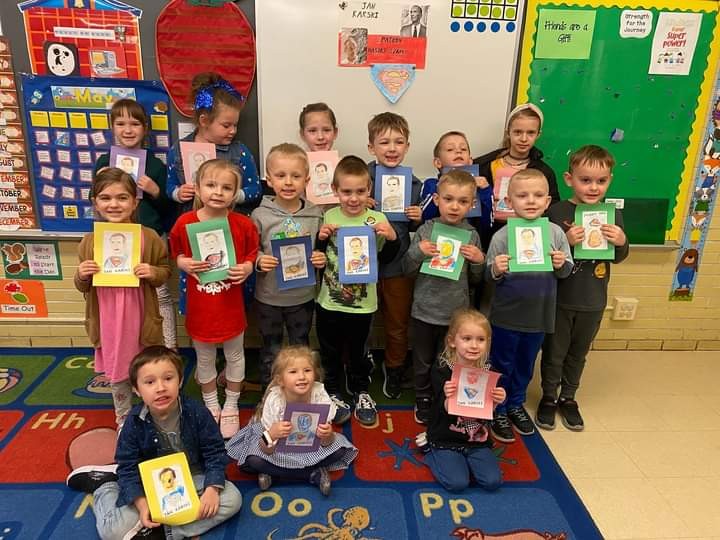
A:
645	275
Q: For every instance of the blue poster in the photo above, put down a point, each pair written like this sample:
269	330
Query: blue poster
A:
68	120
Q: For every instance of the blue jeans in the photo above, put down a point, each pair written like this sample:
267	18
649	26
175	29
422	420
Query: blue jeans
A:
452	468
513	354
115	522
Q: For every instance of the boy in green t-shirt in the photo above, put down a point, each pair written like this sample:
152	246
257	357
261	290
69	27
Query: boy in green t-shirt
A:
344	312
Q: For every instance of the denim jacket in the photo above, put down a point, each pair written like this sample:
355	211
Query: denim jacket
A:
139	441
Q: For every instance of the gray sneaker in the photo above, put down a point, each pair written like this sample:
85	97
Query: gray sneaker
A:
343	410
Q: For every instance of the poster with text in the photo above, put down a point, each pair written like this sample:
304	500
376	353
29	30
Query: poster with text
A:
674	42
22	298
16	201
382	33
69	129
31	259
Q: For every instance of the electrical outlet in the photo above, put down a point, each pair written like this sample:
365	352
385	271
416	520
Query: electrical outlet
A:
624	308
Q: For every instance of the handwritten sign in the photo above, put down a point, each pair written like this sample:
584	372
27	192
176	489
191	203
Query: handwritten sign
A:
635	23
564	33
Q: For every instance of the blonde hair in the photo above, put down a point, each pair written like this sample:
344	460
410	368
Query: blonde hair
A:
457	177
461	316
281	363
528	174
210	166
526	110
593	155
289	150
351	166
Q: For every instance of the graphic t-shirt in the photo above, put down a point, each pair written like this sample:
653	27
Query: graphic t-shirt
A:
354	298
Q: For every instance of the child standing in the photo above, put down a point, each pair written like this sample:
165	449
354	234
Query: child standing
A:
318	127
216	114
582	296
453	150
163	424
518	152
459	446
344	312
296	378
389	142
285	215
130	125
215	311
523	307
435	298
121	321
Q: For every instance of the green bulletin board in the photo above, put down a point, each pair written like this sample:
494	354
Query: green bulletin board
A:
587	93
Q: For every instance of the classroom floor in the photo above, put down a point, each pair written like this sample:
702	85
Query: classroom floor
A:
647	465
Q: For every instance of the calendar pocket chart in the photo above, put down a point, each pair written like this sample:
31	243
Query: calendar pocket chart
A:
69	128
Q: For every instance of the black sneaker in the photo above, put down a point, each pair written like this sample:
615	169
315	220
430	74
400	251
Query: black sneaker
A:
321	478
342	410
91	477
148	533
521	420
502	429
365	411
422	410
545	414
392	381
570	414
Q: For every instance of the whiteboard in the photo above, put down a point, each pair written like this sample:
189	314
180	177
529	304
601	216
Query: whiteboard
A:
467	83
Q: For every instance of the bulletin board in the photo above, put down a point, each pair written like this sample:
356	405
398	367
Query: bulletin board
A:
597	87
69	129
466	83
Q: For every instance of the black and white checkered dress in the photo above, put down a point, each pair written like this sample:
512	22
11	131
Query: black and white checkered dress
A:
247	441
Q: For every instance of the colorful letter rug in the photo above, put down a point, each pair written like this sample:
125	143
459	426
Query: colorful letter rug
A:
56	414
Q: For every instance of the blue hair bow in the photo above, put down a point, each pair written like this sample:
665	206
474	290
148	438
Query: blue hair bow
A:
204	97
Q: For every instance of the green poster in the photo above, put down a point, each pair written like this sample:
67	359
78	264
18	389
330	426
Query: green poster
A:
212	243
529	245
449	261
564	33
591	217
26	259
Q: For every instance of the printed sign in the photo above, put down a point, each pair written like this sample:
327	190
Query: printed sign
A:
22	298
564	33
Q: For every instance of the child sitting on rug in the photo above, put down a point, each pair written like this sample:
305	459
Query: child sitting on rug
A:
295	378
163	424
459	446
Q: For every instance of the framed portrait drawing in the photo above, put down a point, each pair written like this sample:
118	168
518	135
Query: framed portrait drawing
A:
473	392
305	418
591	217
449	261
357	255
130	161
501	209
393	191
193	155
295	269
169	489
211	242
322	167
116	249
529	245
474	170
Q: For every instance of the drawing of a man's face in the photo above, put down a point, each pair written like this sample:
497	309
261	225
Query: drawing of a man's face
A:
445	248
199	158
393	184
304	423
167	479
117	244
356	247
211	242
528	236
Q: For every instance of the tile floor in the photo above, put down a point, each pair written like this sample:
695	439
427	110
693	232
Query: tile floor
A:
647	465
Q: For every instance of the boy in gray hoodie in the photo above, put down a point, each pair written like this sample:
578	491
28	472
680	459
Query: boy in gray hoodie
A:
285	215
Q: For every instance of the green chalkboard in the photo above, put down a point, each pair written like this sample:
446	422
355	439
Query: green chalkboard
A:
584	100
